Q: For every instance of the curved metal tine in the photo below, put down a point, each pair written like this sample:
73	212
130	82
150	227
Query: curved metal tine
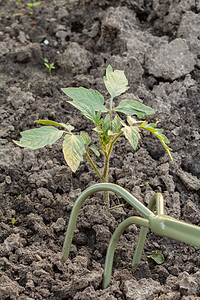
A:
83	196
156	201
113	242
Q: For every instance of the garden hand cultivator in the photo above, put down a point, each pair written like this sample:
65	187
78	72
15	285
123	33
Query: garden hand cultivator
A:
158	222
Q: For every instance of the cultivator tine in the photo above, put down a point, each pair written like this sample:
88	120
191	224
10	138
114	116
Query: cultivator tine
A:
156	201
113	242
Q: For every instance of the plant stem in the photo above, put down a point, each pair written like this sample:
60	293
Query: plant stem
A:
93	165
111	102
106	168
105	180
111	111
117	206
113	142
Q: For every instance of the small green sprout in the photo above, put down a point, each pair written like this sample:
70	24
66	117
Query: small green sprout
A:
144	184
35	4
157	257
109	126
13	221
20	196
1	268
32	6
49	66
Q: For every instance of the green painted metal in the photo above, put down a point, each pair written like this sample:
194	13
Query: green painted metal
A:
81	199
156	201
163	225
113	242
159	223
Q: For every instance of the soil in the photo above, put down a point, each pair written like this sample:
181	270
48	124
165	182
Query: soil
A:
157	44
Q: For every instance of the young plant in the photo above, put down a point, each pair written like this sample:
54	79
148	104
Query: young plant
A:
13	221
32	6
157	257
109	126
49	66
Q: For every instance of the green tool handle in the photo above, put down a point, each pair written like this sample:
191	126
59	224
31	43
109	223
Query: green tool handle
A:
181	231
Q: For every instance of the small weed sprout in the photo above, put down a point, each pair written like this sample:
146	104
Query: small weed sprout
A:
157	257
13	221
32	6
108	125
49	66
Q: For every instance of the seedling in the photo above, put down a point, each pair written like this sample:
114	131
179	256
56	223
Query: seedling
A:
13	221
157	257
32	6
109	126
143	184
49	66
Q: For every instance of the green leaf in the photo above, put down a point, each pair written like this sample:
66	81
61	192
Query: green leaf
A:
87	101
85	137
157	257
47	65
39	137
73	149
116	124
36	4
131	107
13	221
87	111
115	82
97	121
106	124
132	135
144	184
46	60
49	122
95	150
158	133
89	98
